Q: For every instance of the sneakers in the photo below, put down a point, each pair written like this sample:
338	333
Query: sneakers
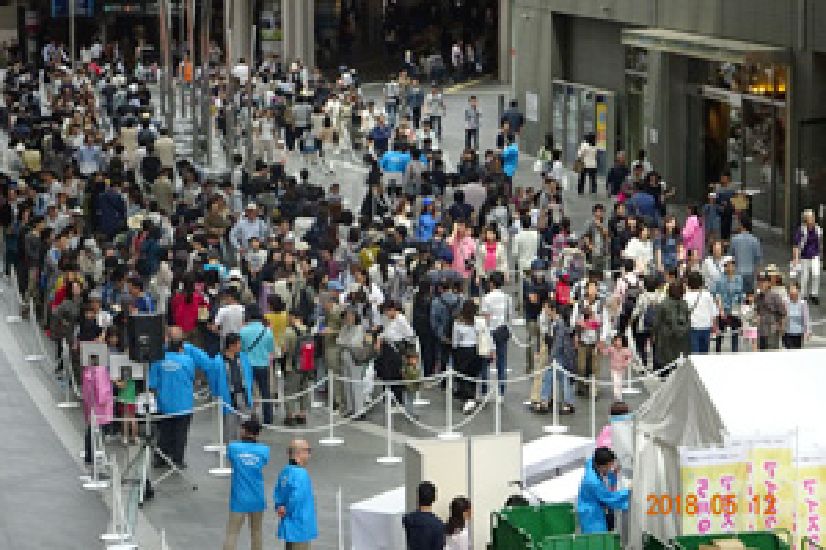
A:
468	406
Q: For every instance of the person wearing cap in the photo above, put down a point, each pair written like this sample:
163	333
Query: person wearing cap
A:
258	343
808	249
230	316
247	499
248	226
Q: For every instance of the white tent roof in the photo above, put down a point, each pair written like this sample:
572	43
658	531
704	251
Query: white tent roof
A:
769	392
741	394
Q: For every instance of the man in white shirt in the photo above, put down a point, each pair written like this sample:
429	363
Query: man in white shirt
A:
525	244
241	71
230	316
496	307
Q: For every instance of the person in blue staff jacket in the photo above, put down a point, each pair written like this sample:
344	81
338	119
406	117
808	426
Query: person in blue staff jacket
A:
294	501
598	494
172	380
247	500
230	378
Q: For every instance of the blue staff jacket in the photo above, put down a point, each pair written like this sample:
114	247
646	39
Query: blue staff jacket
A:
594	497
216	373
294	491
172	379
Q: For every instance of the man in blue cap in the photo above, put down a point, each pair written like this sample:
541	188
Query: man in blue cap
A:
598	493
294	500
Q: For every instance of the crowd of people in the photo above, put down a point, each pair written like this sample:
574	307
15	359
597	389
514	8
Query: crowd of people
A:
259	272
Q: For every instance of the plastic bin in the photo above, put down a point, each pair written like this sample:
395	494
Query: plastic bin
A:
761	540
594	541
525	527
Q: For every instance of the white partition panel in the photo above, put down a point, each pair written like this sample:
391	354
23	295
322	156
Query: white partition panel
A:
495	465
442	462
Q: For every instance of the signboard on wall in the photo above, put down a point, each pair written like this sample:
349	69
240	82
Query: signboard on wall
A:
532	107
83	8
602	126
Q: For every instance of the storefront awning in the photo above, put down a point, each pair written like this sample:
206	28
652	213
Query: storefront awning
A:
704	47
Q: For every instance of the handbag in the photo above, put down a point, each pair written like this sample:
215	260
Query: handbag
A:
579	166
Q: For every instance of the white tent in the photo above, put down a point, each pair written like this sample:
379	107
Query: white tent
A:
712	396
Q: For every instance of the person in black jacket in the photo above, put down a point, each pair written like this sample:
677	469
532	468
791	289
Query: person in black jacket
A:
423	529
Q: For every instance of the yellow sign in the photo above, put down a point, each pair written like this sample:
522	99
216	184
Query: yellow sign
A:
602	126
713	489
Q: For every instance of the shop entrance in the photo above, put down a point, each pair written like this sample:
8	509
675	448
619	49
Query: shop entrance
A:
745	136
579	110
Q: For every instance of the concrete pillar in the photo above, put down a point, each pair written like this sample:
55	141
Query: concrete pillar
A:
241	24
505	40
298	19
534	36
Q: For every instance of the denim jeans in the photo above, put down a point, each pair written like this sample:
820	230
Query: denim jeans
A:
500	339
700	339
545	393
261	375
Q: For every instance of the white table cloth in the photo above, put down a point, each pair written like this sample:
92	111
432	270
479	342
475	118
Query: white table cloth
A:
542	457
376	523
558	489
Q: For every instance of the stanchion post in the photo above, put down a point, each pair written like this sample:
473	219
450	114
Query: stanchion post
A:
222	470
331	440
419	401
339	514
15	293
593	407
93	482
388	404
449	434
42	356
497	409
69	401
215	448
555	428
629	389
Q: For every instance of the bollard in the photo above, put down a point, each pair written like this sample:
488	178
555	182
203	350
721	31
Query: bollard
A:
35	357
217	447
69	401
339	514
388	404
555	428
629	389
593	407
222	470
449	434
497	410
331	440
93	482
14	318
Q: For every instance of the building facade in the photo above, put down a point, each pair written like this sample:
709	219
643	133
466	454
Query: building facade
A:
704	87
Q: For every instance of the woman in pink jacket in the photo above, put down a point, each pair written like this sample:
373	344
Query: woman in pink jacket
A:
463	246
694	233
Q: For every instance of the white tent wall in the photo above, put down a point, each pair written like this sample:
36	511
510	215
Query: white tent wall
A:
709	397
680	413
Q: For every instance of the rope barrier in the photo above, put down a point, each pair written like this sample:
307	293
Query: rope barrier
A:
299	394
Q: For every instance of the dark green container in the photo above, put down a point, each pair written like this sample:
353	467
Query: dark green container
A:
525	527
593	541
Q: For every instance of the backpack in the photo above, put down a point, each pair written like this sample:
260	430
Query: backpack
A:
146	137
563	293
679	321
421	312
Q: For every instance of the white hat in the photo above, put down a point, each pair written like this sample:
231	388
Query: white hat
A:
235	273
251	206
